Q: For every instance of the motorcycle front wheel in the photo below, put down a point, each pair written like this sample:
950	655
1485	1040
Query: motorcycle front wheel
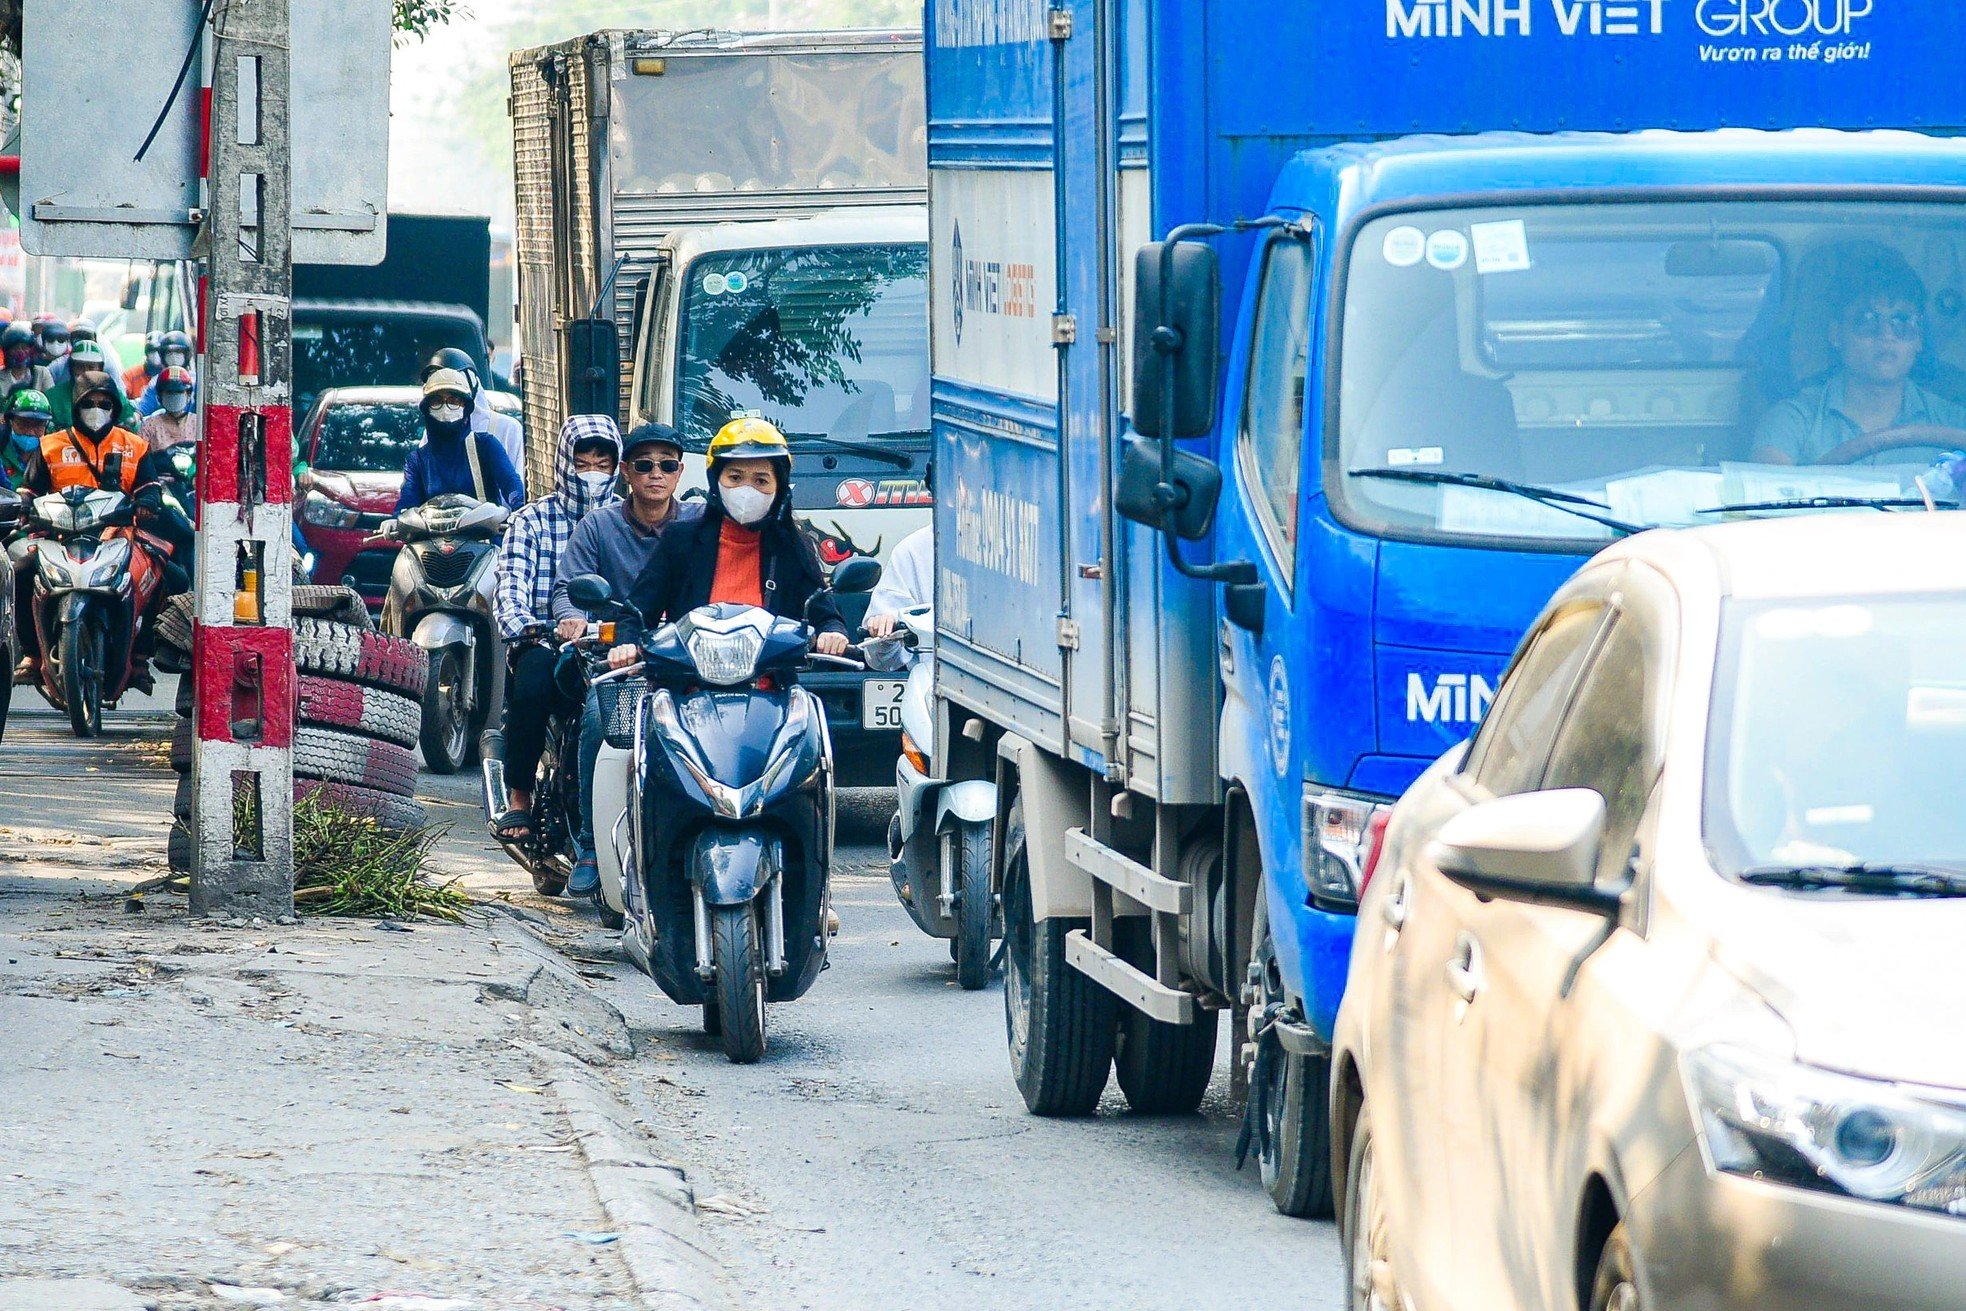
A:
740	989
967	847
81	672
446	735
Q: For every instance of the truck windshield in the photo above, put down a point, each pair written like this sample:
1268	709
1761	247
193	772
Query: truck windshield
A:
829	343
1837	734
1552	376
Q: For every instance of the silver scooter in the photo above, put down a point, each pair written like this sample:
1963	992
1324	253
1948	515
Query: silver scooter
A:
939	839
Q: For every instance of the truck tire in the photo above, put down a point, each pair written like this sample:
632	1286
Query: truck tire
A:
334	756
1059	1023
1293	1144
358	655
1163	1069
737	951
341	605
969	848
178	848
369	711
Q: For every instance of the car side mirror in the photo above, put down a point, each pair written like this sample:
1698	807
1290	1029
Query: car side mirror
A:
1177	328
590	592
593	367
859	574
1537	847
1196	483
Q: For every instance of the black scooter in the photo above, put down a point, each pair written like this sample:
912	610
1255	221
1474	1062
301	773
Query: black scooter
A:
730	812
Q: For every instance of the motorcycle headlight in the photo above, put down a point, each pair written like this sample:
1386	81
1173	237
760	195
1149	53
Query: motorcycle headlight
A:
725	658
109	562
324	511
1775	1120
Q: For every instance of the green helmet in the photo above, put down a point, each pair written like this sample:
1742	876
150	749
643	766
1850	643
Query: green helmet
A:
28	401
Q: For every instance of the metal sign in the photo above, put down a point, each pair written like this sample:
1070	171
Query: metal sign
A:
112	113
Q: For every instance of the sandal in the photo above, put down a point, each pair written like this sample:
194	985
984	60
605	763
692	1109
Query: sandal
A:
514	826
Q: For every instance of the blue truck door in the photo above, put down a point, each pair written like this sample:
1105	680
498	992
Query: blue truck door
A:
1264	430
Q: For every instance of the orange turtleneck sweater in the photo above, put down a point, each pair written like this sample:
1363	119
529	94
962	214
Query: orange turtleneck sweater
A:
740	566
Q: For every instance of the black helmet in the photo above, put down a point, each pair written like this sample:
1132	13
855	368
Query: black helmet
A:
54	330
16	334
450	357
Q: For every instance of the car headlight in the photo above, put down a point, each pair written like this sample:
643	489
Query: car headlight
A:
725	658
324	511
1339	843
1772	1119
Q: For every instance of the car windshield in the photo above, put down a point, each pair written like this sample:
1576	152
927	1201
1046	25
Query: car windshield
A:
826	342
1838	734
362	350
1649	363
367	438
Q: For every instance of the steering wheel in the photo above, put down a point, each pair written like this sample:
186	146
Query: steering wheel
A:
1895	439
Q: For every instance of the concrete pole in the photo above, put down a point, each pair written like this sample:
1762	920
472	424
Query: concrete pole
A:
243	759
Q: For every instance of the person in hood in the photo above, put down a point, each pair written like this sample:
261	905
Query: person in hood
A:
23	371
86	357
509	432
585	464
747	547
453	458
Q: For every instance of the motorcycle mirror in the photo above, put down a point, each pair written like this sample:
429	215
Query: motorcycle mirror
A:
859	574
10	507
589	591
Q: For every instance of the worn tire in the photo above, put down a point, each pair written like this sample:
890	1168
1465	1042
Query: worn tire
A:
334	756
369	711
181	746
737	948
178	848
970	850
173	624
185	692
396	813
359	655
1163	1069
342	605
1059	1023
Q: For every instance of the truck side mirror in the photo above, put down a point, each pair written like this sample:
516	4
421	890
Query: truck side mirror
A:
1197	484
1176	327
593	348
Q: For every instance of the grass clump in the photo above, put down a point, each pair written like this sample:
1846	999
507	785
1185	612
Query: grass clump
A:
347	864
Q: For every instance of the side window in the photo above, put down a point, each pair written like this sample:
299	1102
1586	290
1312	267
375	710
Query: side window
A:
1510	751
1610	742
1270	441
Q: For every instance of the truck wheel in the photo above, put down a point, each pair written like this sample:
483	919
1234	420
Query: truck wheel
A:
740	981
446	719
967	846
1163	1069
1616	1285
1294	1138
1059	1022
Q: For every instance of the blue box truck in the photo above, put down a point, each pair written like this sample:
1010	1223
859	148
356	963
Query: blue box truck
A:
1236	533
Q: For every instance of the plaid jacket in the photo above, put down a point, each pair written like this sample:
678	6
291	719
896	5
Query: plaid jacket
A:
537	534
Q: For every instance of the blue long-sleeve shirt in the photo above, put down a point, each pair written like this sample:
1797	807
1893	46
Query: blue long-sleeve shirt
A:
438	468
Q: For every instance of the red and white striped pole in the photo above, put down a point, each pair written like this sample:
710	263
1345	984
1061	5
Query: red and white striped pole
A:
242	764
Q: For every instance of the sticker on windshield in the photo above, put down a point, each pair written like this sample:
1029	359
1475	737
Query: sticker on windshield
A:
1501	247
737	283
1447	249
1403	455
1405	247
715	284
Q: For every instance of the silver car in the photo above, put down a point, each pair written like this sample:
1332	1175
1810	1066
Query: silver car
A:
1654	1000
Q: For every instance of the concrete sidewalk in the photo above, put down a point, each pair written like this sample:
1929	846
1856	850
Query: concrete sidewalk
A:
327	1113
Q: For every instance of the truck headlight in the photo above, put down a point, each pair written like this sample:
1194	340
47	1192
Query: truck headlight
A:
325	512
1342	832
1775	1120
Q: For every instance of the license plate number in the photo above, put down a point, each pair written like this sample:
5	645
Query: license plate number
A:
880	703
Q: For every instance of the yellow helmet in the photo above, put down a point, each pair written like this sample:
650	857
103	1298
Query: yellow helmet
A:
749	438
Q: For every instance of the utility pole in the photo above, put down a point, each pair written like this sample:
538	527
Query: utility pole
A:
243	759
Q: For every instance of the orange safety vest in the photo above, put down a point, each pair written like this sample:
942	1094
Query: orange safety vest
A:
75	461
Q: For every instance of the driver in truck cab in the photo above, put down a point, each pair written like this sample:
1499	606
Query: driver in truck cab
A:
453	458
1868	410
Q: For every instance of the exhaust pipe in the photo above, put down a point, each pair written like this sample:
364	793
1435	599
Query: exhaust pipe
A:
491	757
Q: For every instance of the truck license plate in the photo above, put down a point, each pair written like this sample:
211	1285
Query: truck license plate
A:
880	703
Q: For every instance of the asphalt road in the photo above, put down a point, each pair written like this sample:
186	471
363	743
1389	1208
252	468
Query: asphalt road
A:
890	1162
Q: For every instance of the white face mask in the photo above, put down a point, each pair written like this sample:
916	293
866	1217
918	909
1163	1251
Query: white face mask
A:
595	484
447	413
177	404
747	505
93	417
57	349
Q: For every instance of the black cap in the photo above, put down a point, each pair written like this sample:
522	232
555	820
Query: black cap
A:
651	434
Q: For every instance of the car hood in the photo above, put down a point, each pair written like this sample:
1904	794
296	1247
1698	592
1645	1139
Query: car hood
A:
373	493
1861	983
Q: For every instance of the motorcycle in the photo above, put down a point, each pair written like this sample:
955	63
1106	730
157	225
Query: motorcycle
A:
939	839
729	815
96	573
440	597
11	510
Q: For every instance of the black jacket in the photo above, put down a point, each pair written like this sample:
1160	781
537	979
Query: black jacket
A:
678	577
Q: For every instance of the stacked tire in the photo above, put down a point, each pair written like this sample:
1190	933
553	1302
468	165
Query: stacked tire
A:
359	700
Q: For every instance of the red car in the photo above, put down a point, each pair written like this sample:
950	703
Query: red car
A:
356	440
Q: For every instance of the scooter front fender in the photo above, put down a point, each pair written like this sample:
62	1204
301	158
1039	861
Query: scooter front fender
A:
437	629
732	865
973	801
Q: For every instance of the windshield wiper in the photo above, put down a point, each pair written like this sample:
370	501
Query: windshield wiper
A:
1568	502
1831	503
1863	876
895	458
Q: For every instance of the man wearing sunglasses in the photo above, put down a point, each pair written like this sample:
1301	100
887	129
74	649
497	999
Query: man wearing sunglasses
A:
617	542
1868	411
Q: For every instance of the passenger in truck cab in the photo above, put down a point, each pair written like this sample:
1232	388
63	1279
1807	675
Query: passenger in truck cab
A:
1868	407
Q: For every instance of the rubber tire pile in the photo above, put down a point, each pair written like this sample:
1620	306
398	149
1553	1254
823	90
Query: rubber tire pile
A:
360	702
